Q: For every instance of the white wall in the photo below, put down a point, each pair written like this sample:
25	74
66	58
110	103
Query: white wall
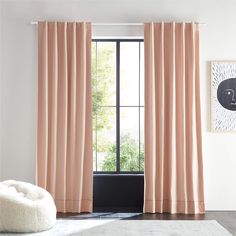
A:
0	96
19	76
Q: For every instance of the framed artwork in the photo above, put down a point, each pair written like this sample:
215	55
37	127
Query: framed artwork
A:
223	96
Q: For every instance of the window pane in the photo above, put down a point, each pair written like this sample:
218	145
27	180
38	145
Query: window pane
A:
129	139
129	73
141	74
141	139
131	94
104	74
105	139
94	150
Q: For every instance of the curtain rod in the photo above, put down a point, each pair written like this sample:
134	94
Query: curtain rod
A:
114	24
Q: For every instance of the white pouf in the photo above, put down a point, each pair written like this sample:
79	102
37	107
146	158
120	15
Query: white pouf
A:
25	207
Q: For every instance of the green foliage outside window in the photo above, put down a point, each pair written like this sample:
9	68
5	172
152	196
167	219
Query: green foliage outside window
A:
129	156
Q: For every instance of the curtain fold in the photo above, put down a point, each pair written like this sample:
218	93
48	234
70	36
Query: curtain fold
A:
173	146
64	137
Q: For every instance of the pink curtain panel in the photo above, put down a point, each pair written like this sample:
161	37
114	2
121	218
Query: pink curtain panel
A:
173	145
64	142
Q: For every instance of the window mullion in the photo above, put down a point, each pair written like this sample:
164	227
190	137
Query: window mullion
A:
139	111
96	133
118	106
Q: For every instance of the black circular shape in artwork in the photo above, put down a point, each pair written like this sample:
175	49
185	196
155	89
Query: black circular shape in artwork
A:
226	94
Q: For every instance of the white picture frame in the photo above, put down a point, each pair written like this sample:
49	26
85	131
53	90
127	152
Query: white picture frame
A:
223	96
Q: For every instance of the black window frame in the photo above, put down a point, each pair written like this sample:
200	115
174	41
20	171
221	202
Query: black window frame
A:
118	106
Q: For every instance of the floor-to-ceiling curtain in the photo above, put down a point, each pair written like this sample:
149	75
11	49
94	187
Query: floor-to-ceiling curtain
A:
173	148
64	139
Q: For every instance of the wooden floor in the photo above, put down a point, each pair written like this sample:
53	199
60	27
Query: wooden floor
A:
226	218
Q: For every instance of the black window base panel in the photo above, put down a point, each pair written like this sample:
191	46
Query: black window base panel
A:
119	193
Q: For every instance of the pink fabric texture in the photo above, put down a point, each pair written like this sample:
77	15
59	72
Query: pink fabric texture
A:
64	138
173	145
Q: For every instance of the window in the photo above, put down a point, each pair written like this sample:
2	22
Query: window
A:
118	105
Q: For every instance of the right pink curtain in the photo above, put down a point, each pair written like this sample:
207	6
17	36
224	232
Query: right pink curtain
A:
173	146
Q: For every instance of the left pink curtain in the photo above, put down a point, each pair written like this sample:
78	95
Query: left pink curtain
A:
64	138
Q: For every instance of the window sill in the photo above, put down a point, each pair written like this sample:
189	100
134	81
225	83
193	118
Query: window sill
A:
117	174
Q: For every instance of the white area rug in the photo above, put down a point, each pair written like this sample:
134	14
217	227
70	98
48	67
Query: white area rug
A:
134	228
